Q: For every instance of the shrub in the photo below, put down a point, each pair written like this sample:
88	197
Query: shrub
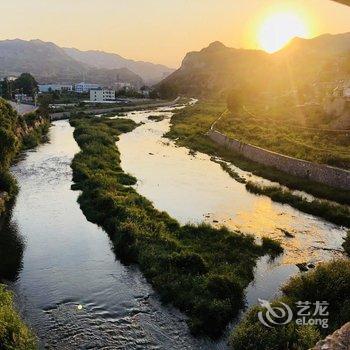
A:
273	247
346	244
251	334
187	262
14	334
327	282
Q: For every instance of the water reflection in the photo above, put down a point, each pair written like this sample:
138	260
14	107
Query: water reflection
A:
211	195
11	250
68	262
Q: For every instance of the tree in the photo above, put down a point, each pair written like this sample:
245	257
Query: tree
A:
6	89
26	84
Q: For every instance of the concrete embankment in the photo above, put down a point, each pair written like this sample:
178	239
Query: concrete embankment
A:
331	176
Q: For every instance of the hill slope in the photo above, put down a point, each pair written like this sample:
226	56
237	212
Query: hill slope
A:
48	63
151	73
217	68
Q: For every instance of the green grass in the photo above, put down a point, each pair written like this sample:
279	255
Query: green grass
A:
16	133
189	127
201	270
327	282
336	213
14	334
284	129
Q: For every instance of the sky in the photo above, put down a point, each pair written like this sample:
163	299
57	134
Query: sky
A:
159	31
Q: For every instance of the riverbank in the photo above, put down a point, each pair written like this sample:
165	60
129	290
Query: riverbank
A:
201	270
328	283
16	133
13	333
189	128
285	129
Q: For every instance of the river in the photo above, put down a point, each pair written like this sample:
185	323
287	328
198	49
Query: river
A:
68	284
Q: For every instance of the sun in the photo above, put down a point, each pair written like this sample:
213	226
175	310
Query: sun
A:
279	28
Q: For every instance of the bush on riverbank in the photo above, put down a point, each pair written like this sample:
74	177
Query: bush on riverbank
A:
16	132
14	334
328	282
201	270
189	127
346	244
336	213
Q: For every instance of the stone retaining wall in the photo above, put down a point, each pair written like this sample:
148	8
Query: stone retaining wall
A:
325	174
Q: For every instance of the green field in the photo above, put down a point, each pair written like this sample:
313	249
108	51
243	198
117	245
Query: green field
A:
293	133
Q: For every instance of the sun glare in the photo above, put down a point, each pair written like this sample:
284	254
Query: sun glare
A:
279	28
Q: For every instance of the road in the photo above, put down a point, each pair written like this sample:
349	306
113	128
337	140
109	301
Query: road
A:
22	109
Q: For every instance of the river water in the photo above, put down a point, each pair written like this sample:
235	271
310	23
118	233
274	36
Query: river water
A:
70	287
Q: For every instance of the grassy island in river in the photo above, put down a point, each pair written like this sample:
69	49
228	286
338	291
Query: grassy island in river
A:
201	270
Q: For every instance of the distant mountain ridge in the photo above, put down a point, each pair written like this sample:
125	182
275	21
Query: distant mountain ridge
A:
217	68
151	73
50	63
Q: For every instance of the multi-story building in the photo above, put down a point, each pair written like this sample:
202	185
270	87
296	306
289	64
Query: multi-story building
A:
85	87
101	95
55	87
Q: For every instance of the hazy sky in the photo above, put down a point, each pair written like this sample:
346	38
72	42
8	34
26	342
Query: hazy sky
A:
160	31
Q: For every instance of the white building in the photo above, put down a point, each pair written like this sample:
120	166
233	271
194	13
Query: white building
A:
100	95
23	98
55	87
85	87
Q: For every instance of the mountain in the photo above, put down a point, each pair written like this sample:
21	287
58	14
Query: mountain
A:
151	73
37	57
213	70
217	68
50	63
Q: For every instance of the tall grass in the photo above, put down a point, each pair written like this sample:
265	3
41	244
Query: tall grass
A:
14	334
16	133
201	270
328	282
284	133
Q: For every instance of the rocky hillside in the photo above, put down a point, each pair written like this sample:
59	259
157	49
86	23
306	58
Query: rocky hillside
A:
151	73
49	63
218	68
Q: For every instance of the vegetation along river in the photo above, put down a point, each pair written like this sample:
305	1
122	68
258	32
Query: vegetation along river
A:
69	285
